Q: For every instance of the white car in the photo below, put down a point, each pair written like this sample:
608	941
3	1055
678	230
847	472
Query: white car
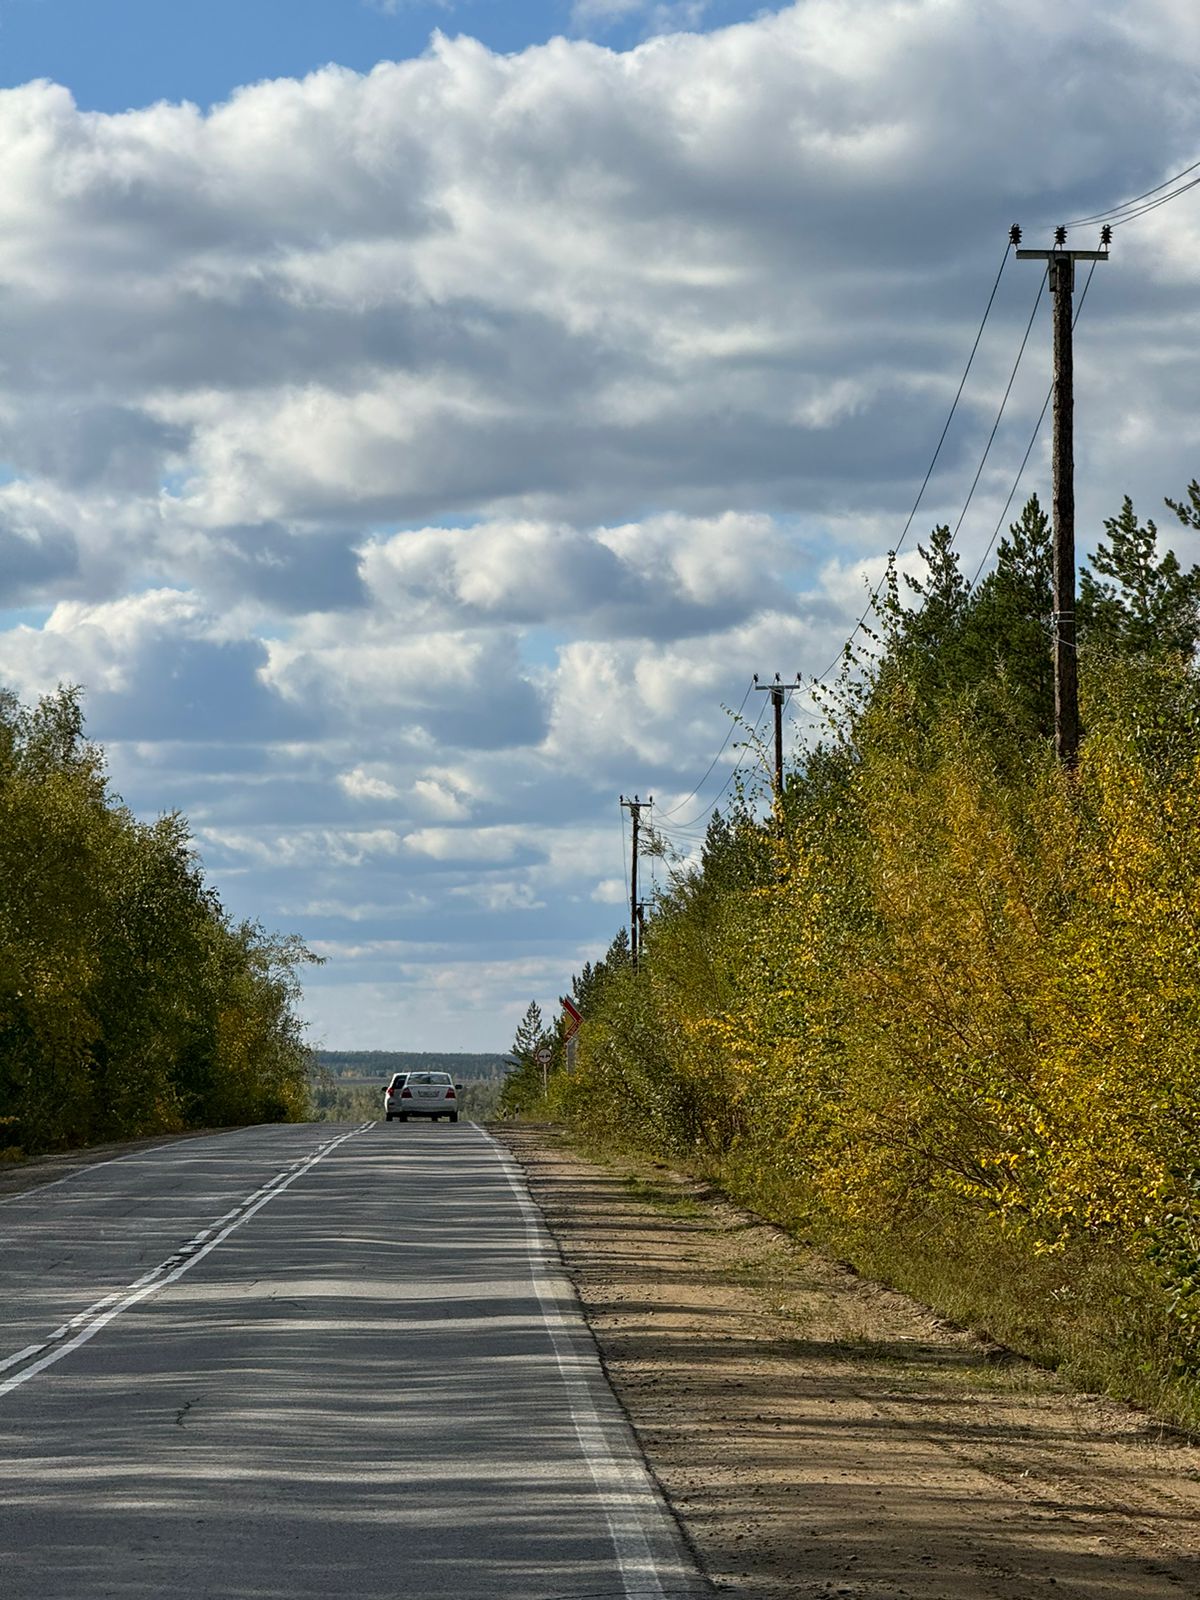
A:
421	1094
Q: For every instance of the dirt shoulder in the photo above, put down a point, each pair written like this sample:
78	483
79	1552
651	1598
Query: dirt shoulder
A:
818	1434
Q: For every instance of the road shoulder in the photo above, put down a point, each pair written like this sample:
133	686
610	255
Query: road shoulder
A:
818	1434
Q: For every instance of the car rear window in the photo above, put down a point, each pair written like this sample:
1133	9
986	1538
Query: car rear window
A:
429	1077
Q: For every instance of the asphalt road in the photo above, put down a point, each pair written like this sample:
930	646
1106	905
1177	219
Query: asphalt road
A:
310	1361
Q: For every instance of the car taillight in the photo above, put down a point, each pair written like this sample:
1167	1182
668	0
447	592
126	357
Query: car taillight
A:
450	1094
406	1094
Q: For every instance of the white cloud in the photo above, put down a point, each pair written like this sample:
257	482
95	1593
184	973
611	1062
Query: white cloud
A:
501	895
658	17
392	8
408	462
305	847
611	892
360	784
469	844
665	575
446	793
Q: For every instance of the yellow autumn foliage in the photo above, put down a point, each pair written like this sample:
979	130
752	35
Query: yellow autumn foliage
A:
966	987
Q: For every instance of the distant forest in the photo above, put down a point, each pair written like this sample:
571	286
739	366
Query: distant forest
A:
382	1063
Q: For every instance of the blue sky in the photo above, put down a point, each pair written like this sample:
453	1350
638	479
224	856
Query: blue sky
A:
414	443
116	54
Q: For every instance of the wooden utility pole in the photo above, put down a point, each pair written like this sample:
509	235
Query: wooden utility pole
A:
777	692
634	807
1060	277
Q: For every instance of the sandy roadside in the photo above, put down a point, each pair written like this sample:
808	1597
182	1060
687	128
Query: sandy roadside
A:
819	1435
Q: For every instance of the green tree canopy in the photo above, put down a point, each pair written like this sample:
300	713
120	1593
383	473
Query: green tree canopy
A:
1133	601
129	1003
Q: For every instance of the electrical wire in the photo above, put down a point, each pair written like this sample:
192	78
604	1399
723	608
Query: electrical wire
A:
709	809
679	830
676	832
1037	300
1153	205
1104	216
729	735
1003	403
933	463
816	682
1016	481
798	711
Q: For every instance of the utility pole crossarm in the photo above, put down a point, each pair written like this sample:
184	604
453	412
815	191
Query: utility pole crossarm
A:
1054	255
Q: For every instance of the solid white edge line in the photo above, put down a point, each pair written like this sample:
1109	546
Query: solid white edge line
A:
136	1293
622	1483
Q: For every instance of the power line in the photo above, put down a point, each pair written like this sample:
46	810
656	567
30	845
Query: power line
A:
708	810
685	843
817	717
798	711
929	473
1153	205
1037	301
1016	481
729	735
676	836
979	470
1102	216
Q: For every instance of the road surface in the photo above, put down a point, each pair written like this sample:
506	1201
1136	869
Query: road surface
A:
315	1361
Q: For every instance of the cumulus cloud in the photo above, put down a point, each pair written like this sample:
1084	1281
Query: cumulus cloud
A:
664	576
408	461
359	784
470	844
546	279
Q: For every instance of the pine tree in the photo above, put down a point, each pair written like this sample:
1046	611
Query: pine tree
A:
1188	514
920	646
523	1085
1133	603
929	637
530	1034
1007	630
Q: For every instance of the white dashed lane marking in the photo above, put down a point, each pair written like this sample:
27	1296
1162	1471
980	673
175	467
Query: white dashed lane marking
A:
35	1358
